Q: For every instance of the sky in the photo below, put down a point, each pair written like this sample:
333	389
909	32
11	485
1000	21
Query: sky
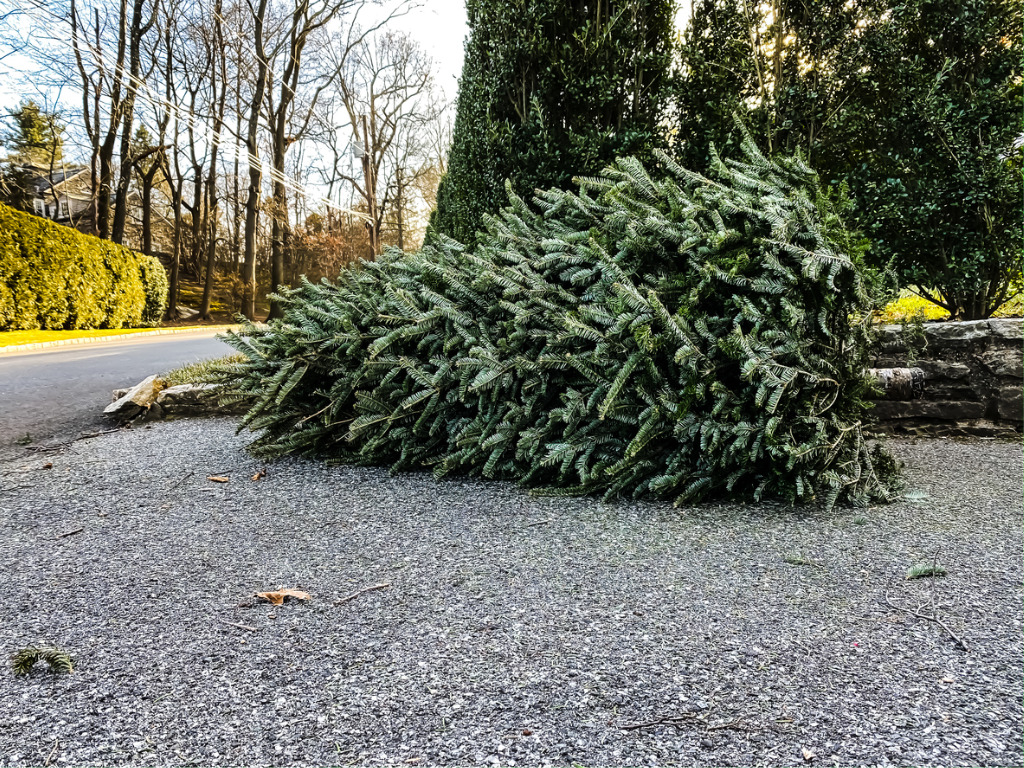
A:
440	27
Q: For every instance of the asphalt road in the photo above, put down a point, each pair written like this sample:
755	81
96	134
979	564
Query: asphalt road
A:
54	394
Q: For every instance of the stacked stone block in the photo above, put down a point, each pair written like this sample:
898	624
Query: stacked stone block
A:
973	376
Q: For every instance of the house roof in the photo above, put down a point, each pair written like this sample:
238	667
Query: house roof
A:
42	180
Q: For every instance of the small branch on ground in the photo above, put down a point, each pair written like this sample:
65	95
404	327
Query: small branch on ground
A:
539	522
732	725
180	480
62	446
934	617
354	595
90	435
674	720
685	718
15	488
70	533
240	626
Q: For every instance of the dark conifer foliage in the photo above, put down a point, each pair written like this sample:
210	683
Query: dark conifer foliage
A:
651	336
551	89
915	105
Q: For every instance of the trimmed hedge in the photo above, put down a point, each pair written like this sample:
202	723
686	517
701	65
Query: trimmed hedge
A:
54	278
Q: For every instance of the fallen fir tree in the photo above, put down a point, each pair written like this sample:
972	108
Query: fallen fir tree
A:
675	337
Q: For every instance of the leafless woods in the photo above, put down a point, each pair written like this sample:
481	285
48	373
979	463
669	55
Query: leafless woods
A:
246	141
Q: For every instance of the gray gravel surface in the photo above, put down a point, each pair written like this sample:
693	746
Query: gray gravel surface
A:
515	630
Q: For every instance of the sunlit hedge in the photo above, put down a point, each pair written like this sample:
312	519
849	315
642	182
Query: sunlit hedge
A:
53	277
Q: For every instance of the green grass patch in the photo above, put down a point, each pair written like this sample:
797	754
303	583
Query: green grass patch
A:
199	372
14	338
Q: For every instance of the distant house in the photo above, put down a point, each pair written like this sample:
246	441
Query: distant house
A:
63	195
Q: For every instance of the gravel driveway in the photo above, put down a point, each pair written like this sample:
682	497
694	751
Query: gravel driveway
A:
514	630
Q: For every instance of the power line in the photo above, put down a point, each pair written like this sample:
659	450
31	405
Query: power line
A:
239	152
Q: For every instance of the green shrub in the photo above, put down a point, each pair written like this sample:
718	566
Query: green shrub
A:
668	337
157	288
53	277
10	265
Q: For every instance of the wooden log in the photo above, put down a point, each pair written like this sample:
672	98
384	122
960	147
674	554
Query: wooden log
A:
898	383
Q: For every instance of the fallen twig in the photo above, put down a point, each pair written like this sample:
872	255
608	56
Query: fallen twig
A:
934	617
676	720
540	522
240	626
735	725
90	435
70	533
56	743
15	488
48	448
354	595
181	480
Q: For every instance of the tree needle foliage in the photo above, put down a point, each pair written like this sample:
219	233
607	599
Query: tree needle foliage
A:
662	335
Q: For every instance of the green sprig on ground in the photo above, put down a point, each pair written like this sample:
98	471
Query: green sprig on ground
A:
57	660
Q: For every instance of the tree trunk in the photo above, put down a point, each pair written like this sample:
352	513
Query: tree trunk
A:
212	209
398	209
252	200
279	219
137	31
103	190
172	294
147	207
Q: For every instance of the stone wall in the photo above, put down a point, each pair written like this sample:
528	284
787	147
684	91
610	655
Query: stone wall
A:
972	379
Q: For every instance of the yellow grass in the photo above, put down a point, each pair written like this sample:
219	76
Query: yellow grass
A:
14	338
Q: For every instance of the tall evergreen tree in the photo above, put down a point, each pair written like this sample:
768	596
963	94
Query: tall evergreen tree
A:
35	137
551	89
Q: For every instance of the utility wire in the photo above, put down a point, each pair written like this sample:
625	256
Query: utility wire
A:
235	147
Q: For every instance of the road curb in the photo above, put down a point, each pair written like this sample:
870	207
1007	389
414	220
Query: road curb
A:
15	348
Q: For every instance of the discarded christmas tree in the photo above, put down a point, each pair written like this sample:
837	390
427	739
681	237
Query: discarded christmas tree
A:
675	337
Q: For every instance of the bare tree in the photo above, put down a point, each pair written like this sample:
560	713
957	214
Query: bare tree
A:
219	116
288	119
252	200
386	92
10	42
141	23
113	87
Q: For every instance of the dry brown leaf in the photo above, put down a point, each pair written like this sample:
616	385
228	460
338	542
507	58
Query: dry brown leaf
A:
277	598
48	465
218	478
259	475
808	755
